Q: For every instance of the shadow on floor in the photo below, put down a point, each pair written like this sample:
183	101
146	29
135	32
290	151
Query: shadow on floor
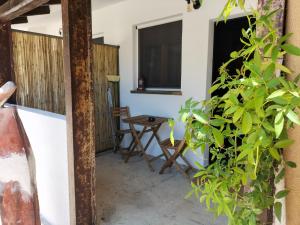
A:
130	194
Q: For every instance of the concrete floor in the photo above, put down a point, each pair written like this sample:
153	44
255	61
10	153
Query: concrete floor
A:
129	194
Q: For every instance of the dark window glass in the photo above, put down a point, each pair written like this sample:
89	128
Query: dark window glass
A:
226	40
160	55
99	40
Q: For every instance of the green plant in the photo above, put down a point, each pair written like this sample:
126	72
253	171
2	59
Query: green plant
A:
246	129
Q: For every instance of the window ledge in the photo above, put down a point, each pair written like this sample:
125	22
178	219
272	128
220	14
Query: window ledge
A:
157	92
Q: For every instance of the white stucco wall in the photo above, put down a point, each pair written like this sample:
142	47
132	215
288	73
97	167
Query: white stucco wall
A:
117	22
47	135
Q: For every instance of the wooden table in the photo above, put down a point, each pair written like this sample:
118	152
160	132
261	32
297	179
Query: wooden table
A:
148	126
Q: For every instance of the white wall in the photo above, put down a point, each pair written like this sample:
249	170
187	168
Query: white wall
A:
117	23
47	135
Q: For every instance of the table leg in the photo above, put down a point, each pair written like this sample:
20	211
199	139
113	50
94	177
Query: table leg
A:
139	145
155	130
140	135
152	136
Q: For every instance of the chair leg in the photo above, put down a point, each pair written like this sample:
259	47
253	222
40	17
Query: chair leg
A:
186	161
131	144
168	162
140	135
119	139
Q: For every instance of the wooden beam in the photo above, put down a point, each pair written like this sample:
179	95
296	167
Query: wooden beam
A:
19	20
54	2
42	10
6	64
292	178
15	8
77	29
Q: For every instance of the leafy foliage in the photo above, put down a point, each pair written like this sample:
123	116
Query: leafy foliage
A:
245	130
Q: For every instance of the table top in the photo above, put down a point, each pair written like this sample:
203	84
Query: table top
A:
143	120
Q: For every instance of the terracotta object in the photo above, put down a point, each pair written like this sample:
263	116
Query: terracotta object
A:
18	194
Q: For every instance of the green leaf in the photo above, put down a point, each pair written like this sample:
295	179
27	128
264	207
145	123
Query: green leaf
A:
246	123
275	52
291	164
231	110
273	83
291	49
238	114
172	137
293	117
274	153
200	116
269	72
243	154
295	93
242	4
280	176
281	194
279	123
172	125
217	122
234	54
257	58
276	94
268	126
218	136
214	88
285	38
278	207
283	68
238	170
284	143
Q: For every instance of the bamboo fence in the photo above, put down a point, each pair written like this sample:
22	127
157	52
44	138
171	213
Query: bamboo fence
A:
38	73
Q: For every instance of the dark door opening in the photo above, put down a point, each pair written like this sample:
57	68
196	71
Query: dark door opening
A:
226	40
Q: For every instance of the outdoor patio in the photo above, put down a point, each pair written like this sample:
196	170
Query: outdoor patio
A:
132	194
112	111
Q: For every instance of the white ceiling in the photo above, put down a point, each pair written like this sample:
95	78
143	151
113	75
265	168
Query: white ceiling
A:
97	4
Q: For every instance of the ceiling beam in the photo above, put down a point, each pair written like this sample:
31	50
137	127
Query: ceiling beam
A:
15	8
54	2
42	10
19	20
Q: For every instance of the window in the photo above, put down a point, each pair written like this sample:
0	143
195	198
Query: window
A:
99	40
160	55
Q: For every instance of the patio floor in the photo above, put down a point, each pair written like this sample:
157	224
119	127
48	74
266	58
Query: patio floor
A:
129	194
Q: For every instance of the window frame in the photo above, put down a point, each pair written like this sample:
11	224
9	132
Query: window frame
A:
162	21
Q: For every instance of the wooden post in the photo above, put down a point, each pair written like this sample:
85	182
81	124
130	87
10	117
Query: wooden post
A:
6	62
292	178
77	32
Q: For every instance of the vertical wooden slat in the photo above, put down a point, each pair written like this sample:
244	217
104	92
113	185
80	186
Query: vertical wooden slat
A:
105	63
39	77
39	71
6	62
77	29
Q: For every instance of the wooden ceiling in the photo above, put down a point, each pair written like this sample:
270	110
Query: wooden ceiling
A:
41	10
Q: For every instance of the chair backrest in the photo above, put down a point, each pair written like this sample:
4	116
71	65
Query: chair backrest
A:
121	112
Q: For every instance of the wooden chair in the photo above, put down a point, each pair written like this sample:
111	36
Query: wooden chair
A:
172	153
117	114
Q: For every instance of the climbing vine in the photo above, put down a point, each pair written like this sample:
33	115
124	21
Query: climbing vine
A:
245	130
